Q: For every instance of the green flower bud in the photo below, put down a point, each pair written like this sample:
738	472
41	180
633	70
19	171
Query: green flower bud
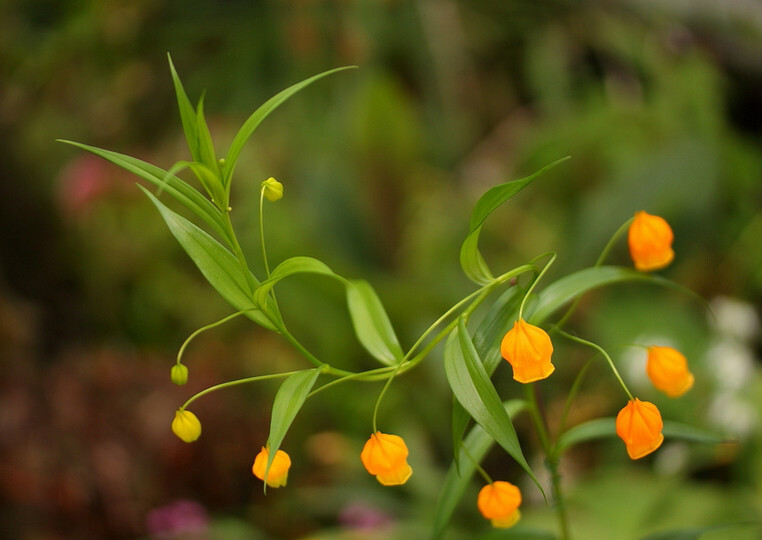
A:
272	189
186	425
179	374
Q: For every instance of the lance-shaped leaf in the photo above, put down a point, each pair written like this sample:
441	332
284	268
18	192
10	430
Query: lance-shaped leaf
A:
573	285
260	114
289	267
188	196
220	267
371	323
602	428
205	144
474	390
288	401
187	114
477	443
471	259
487	337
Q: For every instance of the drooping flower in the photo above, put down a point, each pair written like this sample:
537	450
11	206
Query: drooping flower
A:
186	425
650	241
668	371
277	476
385	457
273	190
528	349
499	502
639	425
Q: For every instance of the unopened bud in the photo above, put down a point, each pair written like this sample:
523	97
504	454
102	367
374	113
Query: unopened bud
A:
179	374
272	189
186	425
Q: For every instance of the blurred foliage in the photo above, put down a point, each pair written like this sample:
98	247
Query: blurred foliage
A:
658	103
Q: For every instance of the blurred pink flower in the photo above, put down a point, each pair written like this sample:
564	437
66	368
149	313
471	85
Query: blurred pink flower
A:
180	518
82	181
363	516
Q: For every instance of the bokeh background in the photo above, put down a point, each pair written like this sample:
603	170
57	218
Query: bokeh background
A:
658	103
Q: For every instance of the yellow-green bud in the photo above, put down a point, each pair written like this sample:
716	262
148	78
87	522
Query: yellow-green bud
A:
179	374
186	425
272	189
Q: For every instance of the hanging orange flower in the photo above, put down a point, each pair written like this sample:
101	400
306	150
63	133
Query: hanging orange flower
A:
668	371
499	502
639	425
528	349
385	457
277	476
650	240
186	425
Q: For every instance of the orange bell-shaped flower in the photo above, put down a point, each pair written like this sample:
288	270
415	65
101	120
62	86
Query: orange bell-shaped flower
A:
385	457
639	425
499	502
528	349
650	240
668	371
277	476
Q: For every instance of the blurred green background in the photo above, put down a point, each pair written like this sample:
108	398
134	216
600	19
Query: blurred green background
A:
658	103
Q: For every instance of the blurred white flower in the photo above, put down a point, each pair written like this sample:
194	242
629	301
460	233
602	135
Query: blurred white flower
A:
735	318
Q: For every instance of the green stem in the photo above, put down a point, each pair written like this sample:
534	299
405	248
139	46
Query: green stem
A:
365	376
478	467
530	392
536	281
234	383
613	240
572	394
204	329
381	396
605	355
560	505
551	461
238	252
311	357
262	230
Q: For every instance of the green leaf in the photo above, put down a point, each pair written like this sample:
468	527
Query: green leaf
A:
477	443
487	337
260	114
183	192
569	287
371	323
471	260
288	401
211	183
496	323
601	428
474	390
684	432
217	264
187	114
289	267
205	144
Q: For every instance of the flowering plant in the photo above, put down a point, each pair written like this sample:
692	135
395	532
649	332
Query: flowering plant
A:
521	322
